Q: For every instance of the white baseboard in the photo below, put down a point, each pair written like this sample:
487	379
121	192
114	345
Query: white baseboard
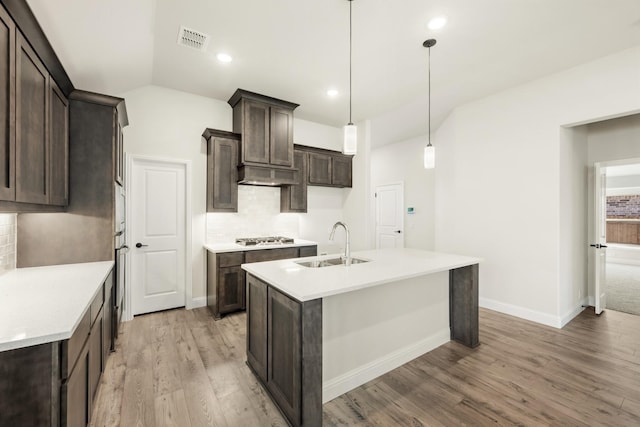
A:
535	316
197	302
568	317
524	313
356	377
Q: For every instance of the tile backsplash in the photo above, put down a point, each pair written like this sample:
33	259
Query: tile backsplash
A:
7	242
258	215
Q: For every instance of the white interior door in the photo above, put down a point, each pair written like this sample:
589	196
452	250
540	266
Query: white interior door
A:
390	216
600	245
158	235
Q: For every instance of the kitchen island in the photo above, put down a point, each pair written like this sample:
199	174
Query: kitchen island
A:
314	333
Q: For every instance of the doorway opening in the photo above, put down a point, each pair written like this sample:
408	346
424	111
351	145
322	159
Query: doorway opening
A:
623	236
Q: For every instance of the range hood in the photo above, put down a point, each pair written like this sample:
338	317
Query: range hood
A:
266	175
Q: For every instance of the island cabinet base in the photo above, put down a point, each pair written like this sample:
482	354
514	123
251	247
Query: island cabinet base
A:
284	350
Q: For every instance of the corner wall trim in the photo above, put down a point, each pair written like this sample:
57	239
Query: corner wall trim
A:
197	302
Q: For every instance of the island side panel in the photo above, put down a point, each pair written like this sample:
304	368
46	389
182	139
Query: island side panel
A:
312	363
463	305
369	332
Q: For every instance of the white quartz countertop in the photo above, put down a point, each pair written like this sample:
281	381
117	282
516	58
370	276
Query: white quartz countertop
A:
234	247
45	304
384	266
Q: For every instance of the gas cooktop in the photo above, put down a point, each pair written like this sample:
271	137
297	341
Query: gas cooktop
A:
271	240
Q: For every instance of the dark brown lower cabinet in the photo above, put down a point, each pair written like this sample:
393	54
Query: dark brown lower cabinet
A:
226	280
54	384
284	349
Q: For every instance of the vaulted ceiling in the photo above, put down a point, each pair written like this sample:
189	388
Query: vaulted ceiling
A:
297	49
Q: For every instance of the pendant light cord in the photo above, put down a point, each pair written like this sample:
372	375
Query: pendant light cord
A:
429	90
428	44
350	54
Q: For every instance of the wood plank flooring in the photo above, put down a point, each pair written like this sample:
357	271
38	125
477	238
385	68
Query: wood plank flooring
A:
181	368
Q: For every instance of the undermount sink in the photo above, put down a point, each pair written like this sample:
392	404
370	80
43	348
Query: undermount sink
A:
317	263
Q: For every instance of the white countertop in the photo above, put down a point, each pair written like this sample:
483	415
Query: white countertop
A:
385	266
45	304
234	247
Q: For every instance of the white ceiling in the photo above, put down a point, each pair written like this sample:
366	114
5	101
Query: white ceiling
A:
296	49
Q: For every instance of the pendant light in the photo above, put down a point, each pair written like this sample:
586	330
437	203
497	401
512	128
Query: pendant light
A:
350	144
429	150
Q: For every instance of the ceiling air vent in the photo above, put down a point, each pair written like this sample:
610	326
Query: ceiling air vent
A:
193	39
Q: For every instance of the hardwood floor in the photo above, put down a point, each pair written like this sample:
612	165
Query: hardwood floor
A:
181	368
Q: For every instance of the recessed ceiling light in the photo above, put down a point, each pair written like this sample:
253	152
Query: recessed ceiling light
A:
223	57
332	93
437	22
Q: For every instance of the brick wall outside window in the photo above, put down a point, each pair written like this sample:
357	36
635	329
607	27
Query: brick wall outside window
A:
623	207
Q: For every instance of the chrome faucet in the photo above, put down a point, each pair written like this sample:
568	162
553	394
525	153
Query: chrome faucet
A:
347	249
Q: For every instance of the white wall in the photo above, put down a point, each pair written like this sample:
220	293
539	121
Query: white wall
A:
403	161
499	182
168	123
358	200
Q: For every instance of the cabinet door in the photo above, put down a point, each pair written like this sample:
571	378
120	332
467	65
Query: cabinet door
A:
75	394
32	115
59	147
230	289
293	198
255	132
95	356
341	171
257	326
284	353
281	136
319	169
222	171
107	325
7	107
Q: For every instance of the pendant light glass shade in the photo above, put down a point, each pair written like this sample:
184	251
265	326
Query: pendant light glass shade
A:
350	145
429	157
429	150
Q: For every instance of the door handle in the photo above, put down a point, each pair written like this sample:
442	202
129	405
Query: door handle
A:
398	231
139	245
598	246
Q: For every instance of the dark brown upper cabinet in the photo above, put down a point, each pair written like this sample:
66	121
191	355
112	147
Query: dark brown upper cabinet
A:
7	106
266	126
328	168
293	198
32	121
222	170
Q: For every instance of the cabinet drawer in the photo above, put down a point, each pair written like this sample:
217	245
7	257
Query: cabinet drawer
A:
72	347
271	254
230	259
96	304
308	251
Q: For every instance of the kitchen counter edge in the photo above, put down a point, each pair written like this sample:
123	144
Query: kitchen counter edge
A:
47	303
